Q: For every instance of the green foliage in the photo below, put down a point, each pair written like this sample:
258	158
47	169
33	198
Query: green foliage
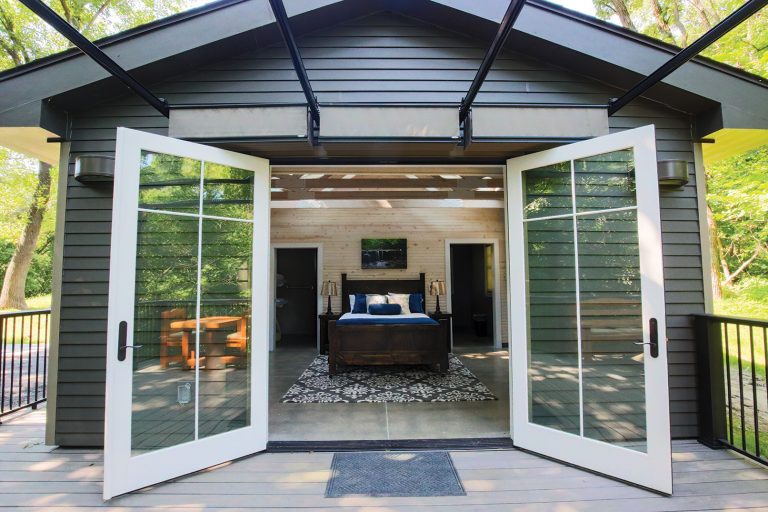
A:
748	299
738	197
24	37
41	270
681	23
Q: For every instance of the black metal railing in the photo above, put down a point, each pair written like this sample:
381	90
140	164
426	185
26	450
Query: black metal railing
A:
23	359
732	357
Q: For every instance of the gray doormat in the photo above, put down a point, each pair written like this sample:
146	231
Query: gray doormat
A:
381	474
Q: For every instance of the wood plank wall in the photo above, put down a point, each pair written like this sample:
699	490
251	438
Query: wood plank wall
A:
426	229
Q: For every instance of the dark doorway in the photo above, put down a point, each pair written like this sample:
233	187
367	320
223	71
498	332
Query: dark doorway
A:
296	298
472	294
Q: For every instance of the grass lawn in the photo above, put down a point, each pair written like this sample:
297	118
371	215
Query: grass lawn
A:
26	330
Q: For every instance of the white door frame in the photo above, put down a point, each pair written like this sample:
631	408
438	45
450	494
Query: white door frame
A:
124	471
493	242
273	289
652	469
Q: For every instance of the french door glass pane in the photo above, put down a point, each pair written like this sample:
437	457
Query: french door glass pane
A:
548	191
166	291
605	181
586	370
225	311
553	349
192	301
613	367
169	182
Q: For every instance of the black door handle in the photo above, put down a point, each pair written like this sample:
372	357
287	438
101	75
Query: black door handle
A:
653	325
122	341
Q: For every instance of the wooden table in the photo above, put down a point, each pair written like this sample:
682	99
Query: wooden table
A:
211	329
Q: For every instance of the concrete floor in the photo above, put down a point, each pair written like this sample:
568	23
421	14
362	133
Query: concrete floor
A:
384	421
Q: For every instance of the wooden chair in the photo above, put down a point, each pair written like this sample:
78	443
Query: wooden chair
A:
238	341
172	339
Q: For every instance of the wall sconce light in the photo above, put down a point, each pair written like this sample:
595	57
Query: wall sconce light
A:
94	168
672	173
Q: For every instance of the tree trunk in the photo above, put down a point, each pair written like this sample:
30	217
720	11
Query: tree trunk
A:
620	7
14	283
716	250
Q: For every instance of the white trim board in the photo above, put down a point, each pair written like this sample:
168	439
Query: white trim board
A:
494	242
273	290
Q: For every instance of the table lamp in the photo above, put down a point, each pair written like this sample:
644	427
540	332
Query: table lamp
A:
329	290
437	288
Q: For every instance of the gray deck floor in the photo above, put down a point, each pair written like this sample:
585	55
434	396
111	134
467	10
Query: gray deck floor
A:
36	477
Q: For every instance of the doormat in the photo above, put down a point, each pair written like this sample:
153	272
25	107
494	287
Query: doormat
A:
383	474
368	384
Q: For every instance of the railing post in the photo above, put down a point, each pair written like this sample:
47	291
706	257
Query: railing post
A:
710	376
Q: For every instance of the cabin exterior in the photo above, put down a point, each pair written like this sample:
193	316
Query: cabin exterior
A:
389	77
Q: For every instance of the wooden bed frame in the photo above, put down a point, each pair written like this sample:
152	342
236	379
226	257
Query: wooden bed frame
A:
386	344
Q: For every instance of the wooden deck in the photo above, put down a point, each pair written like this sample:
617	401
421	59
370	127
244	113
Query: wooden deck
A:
36	477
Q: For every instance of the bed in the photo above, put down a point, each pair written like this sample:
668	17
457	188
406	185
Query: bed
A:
358	339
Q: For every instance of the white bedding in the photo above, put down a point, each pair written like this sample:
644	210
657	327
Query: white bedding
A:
349	316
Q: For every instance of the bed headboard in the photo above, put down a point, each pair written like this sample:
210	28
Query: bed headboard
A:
379	286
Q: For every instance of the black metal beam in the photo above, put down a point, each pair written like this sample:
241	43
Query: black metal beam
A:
687	53
505	28
298	64
87	47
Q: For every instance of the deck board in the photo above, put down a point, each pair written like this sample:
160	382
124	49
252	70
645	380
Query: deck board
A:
34	477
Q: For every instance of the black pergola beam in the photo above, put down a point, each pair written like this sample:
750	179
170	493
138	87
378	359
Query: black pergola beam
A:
505	28
87	47
687	53
298	64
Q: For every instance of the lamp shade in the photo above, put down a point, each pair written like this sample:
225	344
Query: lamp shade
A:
672	173
437	287
329	289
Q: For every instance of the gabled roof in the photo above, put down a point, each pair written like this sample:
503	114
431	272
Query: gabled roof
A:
719	95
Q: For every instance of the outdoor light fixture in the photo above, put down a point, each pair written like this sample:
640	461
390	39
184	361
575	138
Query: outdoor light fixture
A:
329	290
672	173
94	168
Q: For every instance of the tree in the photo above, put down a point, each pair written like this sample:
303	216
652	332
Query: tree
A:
24	38
738	187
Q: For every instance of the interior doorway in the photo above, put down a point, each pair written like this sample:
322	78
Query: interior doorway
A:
472	294
295	279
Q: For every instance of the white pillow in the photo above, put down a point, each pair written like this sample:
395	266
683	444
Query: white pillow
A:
374	299
403	299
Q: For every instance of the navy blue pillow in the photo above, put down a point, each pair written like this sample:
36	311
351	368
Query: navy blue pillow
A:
360	303
415	303
384	309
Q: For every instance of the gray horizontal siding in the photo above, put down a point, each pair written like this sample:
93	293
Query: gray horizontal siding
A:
383	58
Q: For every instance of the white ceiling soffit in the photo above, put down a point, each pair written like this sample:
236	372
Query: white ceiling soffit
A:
538	122
31	141
732	141
238	122
389	122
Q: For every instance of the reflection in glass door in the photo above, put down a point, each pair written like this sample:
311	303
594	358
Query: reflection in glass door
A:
192	301
589	389
188	311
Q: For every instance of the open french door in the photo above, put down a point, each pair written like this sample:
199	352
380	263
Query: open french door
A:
587	329
188	310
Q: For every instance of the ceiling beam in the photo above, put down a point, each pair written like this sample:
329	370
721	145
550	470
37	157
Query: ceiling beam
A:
294	195
687	53
59	24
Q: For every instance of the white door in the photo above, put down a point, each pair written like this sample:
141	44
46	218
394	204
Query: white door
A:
188	304
587	330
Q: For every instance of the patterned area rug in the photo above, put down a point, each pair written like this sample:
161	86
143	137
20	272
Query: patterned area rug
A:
366	384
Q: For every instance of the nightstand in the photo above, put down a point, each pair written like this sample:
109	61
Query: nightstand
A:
445	316
324	319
